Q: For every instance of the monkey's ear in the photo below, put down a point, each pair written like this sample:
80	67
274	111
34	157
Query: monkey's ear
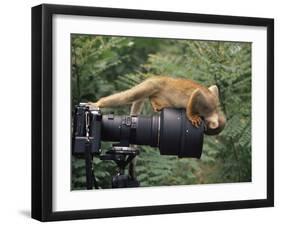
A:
214	90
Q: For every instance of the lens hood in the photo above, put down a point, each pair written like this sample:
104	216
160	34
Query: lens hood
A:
178	136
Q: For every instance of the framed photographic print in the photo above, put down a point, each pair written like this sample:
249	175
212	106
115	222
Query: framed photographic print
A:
145	112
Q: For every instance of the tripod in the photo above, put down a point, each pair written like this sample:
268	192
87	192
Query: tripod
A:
122	156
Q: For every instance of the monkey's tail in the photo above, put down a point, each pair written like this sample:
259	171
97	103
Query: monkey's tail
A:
135	110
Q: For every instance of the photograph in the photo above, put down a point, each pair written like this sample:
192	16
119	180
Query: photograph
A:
159	112
140	112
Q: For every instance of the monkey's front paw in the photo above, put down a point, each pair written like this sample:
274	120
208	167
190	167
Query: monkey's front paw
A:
93	105
195	120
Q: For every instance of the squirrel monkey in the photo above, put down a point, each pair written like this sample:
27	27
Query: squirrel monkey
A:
162	91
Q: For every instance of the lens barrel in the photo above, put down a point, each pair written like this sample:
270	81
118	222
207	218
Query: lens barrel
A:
142	130
170	131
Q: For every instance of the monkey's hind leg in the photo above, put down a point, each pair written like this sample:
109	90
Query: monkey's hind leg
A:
137	107
140	91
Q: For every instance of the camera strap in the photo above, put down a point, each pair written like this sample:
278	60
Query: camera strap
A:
89	166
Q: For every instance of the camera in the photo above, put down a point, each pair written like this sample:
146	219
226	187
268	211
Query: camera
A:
170	131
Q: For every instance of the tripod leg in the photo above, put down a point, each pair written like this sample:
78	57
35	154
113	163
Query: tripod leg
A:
88	167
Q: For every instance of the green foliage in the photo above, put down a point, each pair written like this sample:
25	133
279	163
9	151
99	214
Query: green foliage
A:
104	65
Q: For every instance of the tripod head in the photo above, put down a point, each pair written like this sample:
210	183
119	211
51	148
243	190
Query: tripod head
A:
122	156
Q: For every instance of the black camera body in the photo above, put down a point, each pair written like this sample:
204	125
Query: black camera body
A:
170	131
86	130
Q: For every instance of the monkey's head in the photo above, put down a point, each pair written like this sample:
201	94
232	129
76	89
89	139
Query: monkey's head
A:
208	108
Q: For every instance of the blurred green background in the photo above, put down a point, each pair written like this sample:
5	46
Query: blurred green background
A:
103	65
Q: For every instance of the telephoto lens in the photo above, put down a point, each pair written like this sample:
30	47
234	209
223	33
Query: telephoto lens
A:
170	131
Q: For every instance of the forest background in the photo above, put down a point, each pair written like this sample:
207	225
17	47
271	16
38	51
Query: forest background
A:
103	65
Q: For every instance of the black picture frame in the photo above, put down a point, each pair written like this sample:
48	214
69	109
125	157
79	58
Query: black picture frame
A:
42	111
